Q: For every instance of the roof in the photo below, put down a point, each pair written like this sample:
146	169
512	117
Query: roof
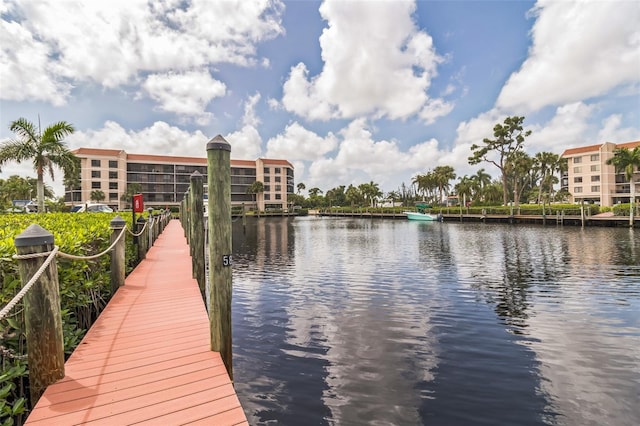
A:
172	159
148	158
276	162
591	148
98	151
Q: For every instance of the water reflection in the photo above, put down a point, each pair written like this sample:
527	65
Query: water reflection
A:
390	322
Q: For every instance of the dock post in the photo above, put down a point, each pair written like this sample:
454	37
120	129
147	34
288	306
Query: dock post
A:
142	241
197	230
582	218
43	319
220	259
244	218
117	224
150	228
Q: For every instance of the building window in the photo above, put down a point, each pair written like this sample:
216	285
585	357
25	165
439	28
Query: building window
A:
277	170
113	185
95	163
95	174
577	179
595	168
277	178
113	196
577	170
278	197
595	178
577	160
267	188
595	188
267	179
113	164
577	189
266	170
278	188
95	185
595	157
267	197
113	175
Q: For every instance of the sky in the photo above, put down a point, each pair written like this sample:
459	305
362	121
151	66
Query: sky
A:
349	91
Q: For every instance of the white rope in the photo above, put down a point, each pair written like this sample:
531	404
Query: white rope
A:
141	231
25	289
95	256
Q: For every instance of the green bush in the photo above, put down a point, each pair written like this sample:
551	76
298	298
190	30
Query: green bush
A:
84	292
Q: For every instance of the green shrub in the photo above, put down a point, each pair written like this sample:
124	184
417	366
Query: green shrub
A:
84	292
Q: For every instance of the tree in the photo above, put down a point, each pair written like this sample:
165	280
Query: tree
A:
301	187
132	189
464	188
517	168
627	161
443	175
314	192
97	195
546	163
256	188
354	196
45	149
480	181
509	139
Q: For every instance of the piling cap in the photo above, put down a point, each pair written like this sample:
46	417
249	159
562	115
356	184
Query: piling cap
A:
117	222
196	175
218	143
34	235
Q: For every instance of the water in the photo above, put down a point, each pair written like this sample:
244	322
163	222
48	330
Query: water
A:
382	322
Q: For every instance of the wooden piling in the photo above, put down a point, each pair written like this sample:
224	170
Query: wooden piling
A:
220	260
142	240
43	319
117	224
197	230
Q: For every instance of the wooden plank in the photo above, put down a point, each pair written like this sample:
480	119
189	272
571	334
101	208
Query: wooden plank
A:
147	358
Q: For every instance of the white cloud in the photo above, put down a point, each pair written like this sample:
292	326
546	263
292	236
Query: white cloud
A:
612	132
298	143
113	43
581	49
361	158
570	126
158	138
246	143
186	94
376	63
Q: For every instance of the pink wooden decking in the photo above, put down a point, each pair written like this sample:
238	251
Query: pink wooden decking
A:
147	360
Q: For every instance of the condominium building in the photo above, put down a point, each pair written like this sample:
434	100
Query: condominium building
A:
164	179
590	179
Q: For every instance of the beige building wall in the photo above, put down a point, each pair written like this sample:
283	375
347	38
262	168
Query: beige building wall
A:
592	180
167	177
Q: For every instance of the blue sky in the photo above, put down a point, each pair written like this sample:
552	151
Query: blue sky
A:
348	91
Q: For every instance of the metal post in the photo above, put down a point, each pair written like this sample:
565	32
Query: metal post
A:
220	261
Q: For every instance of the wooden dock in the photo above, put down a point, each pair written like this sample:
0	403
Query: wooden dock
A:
147	359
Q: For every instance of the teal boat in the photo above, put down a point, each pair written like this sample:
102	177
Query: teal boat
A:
421	214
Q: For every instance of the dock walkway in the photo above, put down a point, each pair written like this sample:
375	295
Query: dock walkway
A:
147	359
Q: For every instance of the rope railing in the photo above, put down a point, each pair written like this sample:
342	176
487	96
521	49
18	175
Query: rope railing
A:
51	255
56	252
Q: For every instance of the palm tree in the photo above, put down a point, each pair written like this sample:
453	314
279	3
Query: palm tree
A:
443	175
301	187
625	160
97	195
464	188
45	149
256	188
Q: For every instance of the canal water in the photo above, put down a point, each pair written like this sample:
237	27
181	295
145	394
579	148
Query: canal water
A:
383	322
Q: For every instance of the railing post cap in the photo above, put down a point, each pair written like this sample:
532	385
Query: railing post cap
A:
218	143
34	235
196	175
117	222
